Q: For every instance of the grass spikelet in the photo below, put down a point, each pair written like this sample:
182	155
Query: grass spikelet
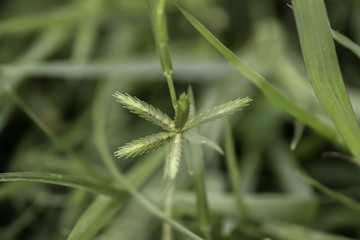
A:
173	159
145	111
144	145
217	112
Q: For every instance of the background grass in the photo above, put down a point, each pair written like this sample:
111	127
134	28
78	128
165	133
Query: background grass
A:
61	61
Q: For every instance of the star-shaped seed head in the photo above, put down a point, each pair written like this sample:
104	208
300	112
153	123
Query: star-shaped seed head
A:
174	128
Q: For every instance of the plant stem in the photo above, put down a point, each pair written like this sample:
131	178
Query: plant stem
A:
157	10
195	160
170	82
168	203
234	175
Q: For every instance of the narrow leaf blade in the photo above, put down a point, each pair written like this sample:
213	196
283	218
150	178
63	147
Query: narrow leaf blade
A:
270	92
333	194
323	69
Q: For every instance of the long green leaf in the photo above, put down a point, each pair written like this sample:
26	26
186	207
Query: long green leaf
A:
272	93
95	187
62	180
323	69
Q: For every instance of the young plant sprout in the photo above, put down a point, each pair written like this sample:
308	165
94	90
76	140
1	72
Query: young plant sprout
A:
174	129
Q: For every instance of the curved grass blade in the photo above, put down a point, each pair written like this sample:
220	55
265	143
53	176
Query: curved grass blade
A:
217	112
234	173
95	187
62	180
145	144
270	92
323	69
145	111
338	196
346	42
93	219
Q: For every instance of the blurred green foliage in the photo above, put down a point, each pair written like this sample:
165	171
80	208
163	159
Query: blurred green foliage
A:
65	59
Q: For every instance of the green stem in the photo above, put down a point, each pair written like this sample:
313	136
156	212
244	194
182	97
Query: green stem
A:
170	83
234	175
168	203
157	9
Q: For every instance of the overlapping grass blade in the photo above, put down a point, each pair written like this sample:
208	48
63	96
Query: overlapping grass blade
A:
323	69
272	93
346	42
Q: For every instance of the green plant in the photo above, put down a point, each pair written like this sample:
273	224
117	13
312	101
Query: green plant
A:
176	129
61	64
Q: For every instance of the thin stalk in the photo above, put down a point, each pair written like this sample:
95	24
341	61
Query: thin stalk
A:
234	175
168	204
88	169
196	164
158	17
201	198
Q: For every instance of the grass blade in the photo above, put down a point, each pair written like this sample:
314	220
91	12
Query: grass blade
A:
62	180
323	69
272	93
95	187
93	219
338	196
346	42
